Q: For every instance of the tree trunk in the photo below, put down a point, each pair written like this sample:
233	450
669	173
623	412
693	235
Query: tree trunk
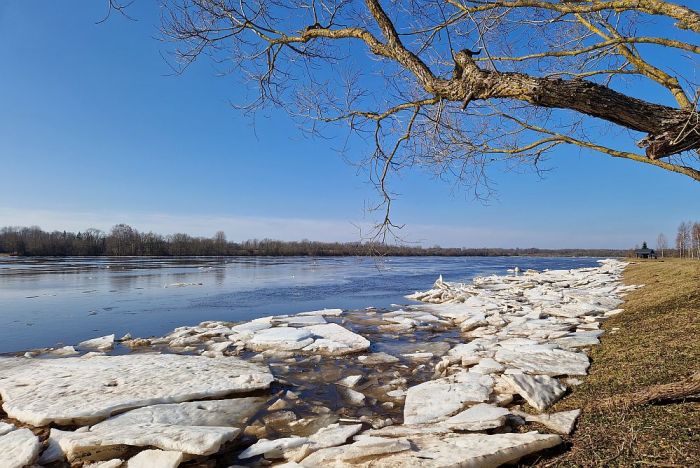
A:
689	387
669	130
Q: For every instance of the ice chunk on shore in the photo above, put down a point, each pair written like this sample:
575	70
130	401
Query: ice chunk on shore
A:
574	310
329	436
468	314
155	458
488	366
579	339
477	418
472	352
562	422
273	448
300	320
436	399
540	391
335	340
18	448
280	338
64	351
226	413
324	312
113	441
86	390
333	435
180	426
103	343
539	360
248	328
350	455
5	428
464	450
113	463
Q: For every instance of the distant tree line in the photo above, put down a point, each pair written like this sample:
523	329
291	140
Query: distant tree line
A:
124	240
687	243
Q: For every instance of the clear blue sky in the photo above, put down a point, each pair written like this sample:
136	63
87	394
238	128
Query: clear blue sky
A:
94	130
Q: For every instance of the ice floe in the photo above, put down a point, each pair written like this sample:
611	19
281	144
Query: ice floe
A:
543	360
305	333
540	391
5	428
198	427
86	390
280	338
335	340
18	448
436	399
155	458
431	450
273	448
477	418
113	463
562	422
102	343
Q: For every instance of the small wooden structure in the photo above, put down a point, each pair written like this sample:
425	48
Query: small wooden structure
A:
645	252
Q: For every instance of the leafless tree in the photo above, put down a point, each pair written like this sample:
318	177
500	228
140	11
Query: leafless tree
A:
220	242
683	240
661	244
123	241
695	238
460	86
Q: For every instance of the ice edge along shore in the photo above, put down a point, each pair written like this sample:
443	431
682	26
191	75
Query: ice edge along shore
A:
521	338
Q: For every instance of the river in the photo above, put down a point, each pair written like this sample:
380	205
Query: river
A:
53	301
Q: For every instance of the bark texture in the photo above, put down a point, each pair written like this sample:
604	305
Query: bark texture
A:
670	130
680	390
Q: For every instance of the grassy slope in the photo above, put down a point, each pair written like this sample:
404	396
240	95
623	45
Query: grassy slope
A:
658	342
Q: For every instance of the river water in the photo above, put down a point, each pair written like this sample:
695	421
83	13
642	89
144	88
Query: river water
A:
51	301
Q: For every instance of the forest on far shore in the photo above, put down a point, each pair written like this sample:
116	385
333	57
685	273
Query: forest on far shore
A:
124	240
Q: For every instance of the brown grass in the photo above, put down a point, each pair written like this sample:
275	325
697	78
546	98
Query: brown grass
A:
657	341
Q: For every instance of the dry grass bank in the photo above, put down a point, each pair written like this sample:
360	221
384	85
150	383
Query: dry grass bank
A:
656	340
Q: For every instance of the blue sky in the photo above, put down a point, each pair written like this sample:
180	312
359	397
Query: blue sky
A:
95	130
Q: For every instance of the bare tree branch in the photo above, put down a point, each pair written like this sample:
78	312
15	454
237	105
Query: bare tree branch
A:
459	87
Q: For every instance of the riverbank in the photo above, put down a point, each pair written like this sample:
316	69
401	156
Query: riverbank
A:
655	341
